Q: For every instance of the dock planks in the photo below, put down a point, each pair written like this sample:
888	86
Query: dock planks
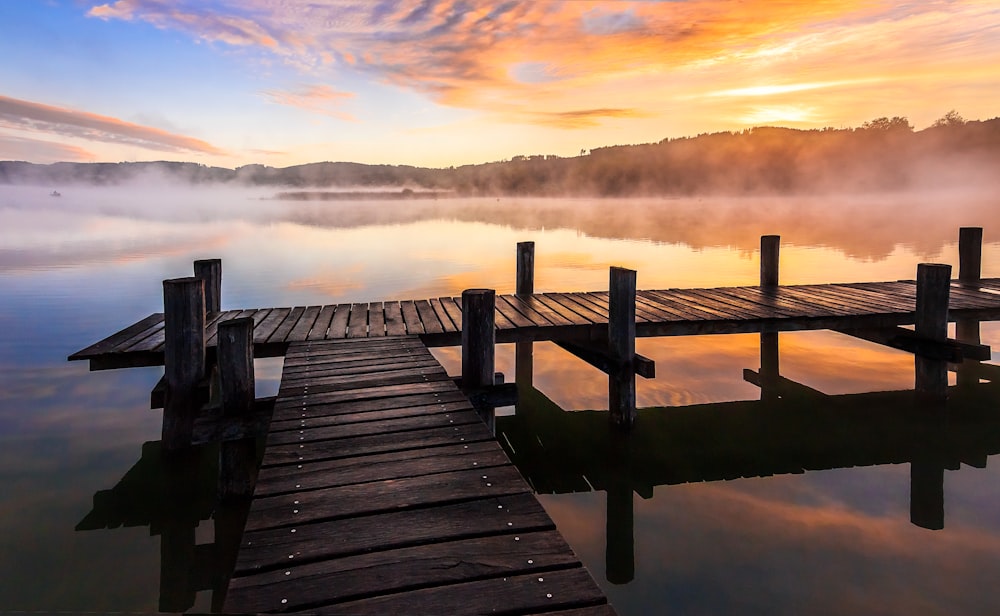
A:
561	316
382	491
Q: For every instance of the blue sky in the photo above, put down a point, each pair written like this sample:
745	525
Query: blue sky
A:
449	82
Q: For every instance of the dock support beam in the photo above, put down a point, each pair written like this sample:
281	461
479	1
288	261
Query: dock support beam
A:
933	283
769	248
184	357
210	270
621	345
237	459
525	268
479	341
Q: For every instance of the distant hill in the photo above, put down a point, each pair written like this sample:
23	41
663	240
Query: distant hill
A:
885	154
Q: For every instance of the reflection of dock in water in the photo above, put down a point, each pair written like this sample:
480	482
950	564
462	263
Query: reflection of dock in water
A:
792	429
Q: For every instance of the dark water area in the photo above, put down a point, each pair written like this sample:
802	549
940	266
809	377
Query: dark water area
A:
705	511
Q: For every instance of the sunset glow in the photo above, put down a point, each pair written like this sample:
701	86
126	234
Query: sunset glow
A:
443	82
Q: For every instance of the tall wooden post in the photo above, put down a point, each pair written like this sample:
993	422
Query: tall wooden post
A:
933	283
238	459
769	248
970	263
478	341
525	268
210	270
970	254
184	357
621	346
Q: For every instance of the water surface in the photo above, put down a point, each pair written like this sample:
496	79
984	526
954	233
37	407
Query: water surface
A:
76	268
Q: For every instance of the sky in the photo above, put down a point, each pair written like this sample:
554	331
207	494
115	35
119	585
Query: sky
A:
435	83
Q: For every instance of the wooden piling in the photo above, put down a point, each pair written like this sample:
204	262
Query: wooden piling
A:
184	357
210	270
933	283
525	268
769	248
237	459
970	254
927	494
621	346
478	337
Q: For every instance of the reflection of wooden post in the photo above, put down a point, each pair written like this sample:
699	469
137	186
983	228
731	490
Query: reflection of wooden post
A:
524	364
933	282
184	357
769	371
970	254
238	459
927	494
621	346
525	268
177	533
769	245
619	553
478	340
210	270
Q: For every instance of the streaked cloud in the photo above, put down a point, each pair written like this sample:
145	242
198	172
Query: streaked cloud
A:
580	118
321	99
39	117
38	150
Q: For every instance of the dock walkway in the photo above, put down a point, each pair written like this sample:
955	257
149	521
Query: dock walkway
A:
382	491
560	316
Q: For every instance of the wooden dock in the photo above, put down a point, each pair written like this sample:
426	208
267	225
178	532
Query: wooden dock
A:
382	491
568	316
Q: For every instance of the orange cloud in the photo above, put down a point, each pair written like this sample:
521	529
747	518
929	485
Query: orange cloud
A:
38	117
533	62
320	99
22	148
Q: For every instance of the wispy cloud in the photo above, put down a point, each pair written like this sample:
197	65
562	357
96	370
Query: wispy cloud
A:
320	99
529	56
580	118
38	150
39	117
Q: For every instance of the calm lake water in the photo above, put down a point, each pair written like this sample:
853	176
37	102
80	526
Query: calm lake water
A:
683	539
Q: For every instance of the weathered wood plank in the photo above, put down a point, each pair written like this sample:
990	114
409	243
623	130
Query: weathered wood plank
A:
322	324
564	312
394	325
111	343
385	572
265	329
317	411
378	467
429	318
383	496
281	332
357	325
536	310
363	445
304	326
338	325
515	594
411	317
453	307
447	324
308	433
376	320
269	549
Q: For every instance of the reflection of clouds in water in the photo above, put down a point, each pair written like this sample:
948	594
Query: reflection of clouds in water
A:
769	546
707	369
